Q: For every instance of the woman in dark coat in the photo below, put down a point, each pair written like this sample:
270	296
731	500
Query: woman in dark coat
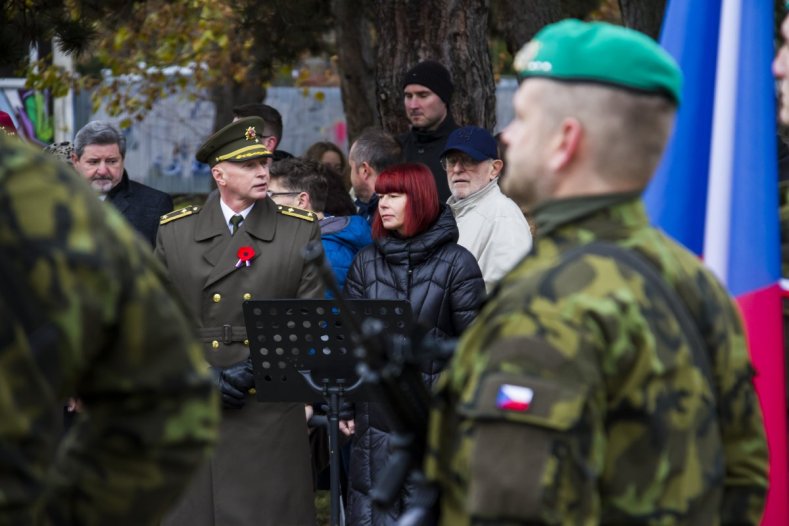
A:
416	257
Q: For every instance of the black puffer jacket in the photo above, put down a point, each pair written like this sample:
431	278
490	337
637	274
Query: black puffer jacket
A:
444	285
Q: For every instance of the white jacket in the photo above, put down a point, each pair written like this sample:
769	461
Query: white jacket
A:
493	228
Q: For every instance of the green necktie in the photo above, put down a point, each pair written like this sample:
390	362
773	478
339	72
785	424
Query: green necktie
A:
235	221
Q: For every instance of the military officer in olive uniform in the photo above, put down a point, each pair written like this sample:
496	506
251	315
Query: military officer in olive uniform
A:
239	246
607	380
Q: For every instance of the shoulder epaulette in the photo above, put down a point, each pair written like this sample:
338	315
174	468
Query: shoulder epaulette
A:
178	214
293	211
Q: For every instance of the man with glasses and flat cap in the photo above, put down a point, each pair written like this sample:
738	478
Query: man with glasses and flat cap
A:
491	225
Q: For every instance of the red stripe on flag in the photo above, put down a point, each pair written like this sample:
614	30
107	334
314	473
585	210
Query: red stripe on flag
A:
762	315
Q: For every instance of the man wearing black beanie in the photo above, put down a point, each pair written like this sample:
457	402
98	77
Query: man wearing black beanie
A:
427	91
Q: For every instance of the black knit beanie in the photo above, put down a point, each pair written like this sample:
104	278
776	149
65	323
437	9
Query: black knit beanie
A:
432	75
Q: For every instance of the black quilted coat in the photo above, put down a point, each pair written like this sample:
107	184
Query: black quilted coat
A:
444	285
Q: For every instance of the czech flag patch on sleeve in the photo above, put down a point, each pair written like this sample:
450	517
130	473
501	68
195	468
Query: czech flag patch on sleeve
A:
514	397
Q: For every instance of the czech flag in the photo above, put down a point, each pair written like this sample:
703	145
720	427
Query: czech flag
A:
716	190
514	397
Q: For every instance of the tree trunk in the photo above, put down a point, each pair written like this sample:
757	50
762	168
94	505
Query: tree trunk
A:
356	56
231	94
643	15
452	32
517	21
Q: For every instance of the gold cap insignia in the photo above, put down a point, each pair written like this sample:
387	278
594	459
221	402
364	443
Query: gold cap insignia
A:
251	134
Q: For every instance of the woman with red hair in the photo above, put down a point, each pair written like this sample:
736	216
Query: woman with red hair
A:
415	256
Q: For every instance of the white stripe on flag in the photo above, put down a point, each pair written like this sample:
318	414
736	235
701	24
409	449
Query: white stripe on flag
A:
718	220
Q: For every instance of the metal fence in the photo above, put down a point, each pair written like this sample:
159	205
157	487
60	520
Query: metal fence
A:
161	148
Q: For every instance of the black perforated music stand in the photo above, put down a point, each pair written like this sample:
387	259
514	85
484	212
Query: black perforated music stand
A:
300	348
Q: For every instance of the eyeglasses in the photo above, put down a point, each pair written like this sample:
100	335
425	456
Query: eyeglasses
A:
277	194
465	162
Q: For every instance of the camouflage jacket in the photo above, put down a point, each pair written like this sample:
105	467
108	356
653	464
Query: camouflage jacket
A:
84	311
575	398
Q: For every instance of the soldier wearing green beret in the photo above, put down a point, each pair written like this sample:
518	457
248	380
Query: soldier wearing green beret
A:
86	309
607	380
239	246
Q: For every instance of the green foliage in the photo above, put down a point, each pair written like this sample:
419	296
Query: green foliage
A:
75	22
161	47
500	58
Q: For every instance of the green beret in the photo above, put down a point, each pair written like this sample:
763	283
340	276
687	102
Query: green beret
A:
601	53
237	142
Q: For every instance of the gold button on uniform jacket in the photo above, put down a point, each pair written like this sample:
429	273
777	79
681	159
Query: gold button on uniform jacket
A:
260	473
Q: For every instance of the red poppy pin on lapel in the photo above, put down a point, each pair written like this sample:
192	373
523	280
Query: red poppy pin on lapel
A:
245	254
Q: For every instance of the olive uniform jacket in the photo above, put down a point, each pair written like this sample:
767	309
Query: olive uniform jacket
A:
260	473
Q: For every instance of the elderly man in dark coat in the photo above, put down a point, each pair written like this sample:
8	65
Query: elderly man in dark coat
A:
239	246
99	153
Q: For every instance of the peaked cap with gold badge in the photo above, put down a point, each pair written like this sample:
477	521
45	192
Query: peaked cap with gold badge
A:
237	142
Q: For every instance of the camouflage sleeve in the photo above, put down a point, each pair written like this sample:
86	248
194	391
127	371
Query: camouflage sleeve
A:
536	458
311	285
739	412
120	342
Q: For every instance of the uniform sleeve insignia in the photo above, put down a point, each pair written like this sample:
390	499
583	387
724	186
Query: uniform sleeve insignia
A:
293	211
514	397
178	214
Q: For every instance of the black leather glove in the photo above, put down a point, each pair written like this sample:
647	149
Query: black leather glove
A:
234	382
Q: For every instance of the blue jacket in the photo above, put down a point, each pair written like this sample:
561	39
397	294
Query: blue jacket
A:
342	238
